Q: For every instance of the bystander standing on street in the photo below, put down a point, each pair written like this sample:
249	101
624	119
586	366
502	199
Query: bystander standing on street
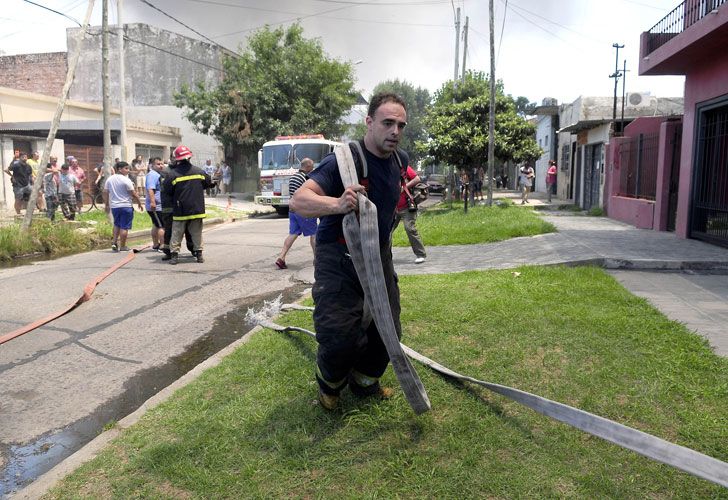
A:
551	179
67	192
80	175
227	177
33	161
51	184
525	180
209	169
153	202
22	180
119	192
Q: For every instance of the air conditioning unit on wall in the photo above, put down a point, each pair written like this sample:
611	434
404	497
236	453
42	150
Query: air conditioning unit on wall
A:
637	99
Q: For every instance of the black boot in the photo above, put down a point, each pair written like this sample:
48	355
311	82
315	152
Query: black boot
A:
167	254
200	259
173	258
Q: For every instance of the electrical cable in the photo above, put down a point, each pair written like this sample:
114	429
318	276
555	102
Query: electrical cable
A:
54	11
503	28
147	2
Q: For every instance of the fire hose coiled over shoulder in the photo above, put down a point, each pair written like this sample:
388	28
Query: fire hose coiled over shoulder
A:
362	240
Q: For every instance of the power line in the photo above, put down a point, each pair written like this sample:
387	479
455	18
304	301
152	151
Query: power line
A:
146	2
503	28
555	23
54	11
128	39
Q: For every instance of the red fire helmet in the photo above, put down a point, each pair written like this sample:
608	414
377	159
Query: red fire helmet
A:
182	153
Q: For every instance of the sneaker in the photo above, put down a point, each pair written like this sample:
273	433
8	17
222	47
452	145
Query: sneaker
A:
156	248
200	259
173	259
419	260
124	249
281	264
327	401
114	248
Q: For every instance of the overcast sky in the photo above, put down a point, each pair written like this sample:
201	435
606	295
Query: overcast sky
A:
545	48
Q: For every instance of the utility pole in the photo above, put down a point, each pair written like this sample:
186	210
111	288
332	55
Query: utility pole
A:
122	83
624	84
457	44
465	44
616	76
106	103
491	108
72	63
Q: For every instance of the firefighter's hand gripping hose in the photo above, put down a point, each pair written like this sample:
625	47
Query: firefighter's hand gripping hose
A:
677	456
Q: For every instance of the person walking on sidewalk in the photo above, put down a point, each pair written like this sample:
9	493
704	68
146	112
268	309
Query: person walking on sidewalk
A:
525	180
350	350
407	212
186	185
551	178
119	191
297	224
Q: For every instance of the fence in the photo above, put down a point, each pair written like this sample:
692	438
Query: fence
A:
683	16
638	167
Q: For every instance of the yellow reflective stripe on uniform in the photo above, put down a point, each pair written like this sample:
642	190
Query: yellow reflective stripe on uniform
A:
189	217
333	385
363	380
187	178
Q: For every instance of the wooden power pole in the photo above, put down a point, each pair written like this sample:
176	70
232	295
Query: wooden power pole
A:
491	111
72	63
122	82
106	103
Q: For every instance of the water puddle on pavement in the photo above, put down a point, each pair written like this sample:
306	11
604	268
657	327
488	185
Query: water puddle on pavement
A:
24	463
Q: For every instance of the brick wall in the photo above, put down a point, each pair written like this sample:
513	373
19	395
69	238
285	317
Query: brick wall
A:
41	73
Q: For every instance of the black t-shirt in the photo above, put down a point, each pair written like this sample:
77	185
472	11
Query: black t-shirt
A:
384	189
22	173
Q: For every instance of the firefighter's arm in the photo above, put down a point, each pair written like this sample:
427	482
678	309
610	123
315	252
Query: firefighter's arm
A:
311	201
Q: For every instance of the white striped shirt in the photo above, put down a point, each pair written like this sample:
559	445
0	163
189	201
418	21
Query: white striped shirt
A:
296	182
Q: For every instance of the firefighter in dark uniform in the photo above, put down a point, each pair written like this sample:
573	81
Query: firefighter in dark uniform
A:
351	352
185	186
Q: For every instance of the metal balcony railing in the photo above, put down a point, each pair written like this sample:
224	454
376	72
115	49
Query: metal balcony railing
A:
683	16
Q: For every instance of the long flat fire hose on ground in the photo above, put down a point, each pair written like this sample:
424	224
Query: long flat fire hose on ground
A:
88	290
680	457
362	240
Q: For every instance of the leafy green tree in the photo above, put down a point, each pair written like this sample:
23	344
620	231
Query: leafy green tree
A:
524	107
418	100
282	84
457	124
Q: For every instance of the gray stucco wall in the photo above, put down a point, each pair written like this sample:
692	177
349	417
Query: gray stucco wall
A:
151	76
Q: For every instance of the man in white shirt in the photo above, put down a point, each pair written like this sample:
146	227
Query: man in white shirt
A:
209	169
119	191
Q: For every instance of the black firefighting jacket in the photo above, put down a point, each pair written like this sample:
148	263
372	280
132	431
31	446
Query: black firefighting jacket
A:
185	186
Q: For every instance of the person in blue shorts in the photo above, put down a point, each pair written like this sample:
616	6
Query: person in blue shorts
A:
298	224
119	192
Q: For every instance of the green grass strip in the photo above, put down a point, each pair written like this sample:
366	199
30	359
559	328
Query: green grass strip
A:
249	428
440	225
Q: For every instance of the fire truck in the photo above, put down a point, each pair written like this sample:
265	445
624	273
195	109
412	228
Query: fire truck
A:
280	159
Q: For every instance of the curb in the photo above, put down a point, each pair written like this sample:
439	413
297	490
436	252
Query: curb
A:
89	451
647	264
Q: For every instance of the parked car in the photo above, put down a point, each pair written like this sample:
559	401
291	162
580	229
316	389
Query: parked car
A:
436	183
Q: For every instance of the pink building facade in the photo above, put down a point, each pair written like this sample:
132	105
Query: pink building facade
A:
692	40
